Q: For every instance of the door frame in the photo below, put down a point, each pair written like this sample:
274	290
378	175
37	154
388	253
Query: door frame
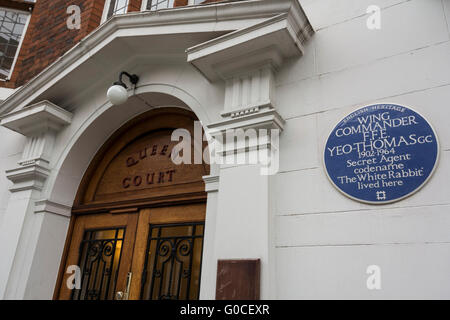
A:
128	132
130	207
104	221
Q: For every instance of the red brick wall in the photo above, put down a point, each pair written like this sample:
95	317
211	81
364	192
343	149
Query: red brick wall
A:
134	5
48	37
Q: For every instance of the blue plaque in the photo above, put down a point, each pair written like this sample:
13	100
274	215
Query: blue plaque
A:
381	153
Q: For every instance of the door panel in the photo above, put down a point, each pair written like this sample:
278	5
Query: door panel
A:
102	247
162	247
116	251
173	259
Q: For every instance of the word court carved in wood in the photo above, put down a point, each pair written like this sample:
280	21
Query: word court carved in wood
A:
149	178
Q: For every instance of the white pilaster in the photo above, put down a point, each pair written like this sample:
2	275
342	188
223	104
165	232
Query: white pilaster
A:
246	140
208	281
21	227
243	222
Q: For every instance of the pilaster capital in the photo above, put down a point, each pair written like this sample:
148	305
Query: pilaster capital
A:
248	59
47	206
28	177
211	183
249	139
40	123
36	119
263	118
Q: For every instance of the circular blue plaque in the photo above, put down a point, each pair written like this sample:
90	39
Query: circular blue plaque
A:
381	153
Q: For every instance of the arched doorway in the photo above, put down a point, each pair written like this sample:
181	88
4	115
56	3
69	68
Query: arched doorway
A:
138	219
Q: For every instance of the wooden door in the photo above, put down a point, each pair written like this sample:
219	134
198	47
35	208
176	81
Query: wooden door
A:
139	213
159	249
168	253
102	249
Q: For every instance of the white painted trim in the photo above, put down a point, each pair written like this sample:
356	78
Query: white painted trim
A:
267	42
192	3
145	2
25	28
268	26
144	5
5	93
41	115
268	119
30	177
106	9
211	183
46	206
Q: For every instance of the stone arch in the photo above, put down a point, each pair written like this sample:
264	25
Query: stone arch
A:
63	183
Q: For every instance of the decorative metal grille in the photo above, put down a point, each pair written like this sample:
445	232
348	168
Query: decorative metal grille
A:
117	7
100	253
12	25
173	262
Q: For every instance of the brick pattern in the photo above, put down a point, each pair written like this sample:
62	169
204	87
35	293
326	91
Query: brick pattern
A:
180	3
134	5
48	37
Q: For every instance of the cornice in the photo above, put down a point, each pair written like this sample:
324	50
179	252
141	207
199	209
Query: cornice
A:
37	118
29	177
211	183
266	119
46	206
264	43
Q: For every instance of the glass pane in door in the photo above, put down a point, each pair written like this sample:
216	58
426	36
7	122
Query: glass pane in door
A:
173	262
100	255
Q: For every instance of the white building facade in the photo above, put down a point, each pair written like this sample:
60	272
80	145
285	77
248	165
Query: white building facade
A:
294	66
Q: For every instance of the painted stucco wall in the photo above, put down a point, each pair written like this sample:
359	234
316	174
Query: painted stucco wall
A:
324	241
11	147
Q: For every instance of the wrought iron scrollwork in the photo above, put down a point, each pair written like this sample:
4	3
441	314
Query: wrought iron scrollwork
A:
168	272
98	267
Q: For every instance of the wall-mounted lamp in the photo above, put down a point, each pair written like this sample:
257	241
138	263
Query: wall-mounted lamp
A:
117	93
